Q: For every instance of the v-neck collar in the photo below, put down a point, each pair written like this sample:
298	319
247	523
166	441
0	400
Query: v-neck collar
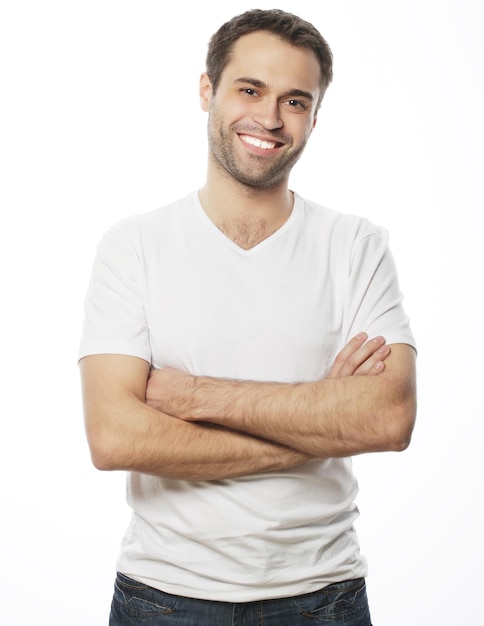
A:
296	209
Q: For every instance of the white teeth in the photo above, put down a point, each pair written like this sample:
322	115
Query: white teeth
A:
265	145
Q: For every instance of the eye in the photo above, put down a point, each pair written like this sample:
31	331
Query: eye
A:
249	91
296	104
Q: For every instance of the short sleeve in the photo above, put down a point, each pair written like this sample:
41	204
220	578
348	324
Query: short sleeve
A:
373	298
114	320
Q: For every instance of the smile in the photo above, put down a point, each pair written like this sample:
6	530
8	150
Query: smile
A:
259	143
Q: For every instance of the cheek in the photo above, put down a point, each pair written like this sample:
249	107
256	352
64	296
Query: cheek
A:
238	111
301	131
229	111
238	108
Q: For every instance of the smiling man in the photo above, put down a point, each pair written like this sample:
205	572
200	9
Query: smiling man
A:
239	346
272	114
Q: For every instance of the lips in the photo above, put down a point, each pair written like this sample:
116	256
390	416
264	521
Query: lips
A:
262	144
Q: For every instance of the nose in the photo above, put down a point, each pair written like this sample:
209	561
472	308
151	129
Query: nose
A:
267	114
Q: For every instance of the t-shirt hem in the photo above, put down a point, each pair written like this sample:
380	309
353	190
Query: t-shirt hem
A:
255	593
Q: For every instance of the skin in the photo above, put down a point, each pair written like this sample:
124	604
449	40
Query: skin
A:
169	423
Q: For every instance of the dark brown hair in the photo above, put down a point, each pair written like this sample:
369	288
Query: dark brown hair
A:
287	26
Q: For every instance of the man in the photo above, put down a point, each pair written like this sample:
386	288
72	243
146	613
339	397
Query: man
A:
233	360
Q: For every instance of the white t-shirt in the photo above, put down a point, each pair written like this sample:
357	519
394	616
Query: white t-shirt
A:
169	287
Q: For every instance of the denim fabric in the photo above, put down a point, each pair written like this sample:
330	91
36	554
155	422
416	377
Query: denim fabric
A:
342	604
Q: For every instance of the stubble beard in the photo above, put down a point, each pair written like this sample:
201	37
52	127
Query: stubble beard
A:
258	173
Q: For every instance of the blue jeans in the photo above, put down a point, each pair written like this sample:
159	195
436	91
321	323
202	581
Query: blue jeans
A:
135	604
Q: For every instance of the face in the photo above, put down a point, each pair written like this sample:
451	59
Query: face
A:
263	111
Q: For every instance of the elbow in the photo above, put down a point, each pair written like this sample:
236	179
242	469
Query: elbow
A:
102	449
399	435
400	444
102	461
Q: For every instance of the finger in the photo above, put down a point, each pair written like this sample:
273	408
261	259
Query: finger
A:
358	358
349	349
377	369
375	363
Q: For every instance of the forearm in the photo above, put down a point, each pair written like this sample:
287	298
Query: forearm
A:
330	418
143	439
371	409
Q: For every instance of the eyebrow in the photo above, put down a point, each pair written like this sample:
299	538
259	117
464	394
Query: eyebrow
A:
260	84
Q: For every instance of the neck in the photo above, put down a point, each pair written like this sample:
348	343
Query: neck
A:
244	214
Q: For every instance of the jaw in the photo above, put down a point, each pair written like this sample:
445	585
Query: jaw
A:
251	180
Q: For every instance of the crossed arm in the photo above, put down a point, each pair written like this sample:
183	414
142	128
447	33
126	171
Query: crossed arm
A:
172	424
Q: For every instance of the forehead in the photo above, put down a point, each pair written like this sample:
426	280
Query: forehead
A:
269	58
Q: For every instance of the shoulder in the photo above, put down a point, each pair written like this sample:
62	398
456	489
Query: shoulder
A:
339	227
129	241
154	222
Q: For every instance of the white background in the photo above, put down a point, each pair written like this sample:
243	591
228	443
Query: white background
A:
99	120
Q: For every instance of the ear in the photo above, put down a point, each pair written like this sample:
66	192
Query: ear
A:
315	120
205	91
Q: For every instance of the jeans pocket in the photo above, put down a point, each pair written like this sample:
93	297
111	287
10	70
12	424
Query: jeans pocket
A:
341	602
135	600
